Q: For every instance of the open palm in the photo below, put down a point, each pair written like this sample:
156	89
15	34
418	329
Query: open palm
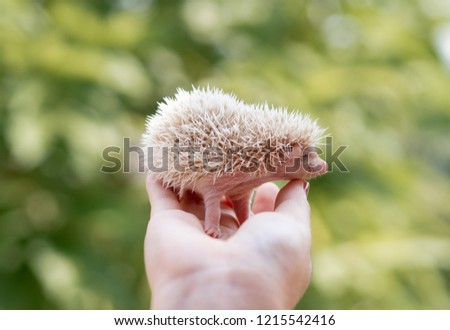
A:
263	263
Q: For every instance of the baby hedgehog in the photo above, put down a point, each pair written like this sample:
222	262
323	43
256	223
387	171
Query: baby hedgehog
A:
215	145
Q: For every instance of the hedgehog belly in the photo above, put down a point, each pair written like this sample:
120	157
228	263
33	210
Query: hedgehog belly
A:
239	187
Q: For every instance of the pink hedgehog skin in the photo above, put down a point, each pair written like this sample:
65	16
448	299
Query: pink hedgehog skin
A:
274	143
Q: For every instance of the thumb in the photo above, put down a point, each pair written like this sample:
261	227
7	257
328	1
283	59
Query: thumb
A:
291	216
292	200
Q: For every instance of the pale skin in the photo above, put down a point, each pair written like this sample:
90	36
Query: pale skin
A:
265	263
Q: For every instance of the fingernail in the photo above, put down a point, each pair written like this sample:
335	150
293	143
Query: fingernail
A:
306	187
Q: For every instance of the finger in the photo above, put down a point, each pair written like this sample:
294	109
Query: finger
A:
292	200
283	235
161	199
291	215
265	198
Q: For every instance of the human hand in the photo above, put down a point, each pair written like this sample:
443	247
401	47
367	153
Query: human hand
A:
263	264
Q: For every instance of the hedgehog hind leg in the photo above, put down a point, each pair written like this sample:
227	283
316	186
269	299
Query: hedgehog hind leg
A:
212	216
241	206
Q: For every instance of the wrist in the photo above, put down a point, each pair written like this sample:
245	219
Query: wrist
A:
218	289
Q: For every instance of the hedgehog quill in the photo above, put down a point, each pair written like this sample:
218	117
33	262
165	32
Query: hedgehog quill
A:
211	143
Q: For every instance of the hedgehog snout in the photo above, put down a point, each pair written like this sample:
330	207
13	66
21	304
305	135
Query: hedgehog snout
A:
314	165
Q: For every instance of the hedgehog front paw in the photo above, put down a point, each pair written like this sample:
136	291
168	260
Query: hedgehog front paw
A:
213	231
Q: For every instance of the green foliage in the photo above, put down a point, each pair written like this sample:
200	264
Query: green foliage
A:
78	76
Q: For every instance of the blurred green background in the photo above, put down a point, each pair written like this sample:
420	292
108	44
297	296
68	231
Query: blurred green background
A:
78	76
